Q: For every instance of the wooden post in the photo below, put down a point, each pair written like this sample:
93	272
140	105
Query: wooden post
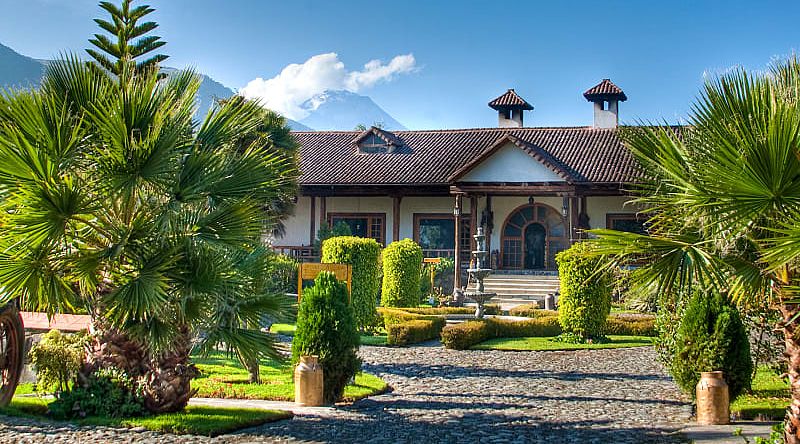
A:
457	258
574	211
473	222
488	228
323	211
396	218
313	232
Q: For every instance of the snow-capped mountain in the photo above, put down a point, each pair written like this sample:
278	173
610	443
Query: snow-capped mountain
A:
345	110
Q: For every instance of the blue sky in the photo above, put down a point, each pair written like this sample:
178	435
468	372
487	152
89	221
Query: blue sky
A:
465	53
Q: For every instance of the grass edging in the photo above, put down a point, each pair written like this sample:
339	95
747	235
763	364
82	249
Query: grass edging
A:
195	420
547	344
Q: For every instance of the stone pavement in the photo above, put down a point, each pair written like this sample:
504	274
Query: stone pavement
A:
724	434
590	396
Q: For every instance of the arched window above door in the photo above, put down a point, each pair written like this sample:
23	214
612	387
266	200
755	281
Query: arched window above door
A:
528	246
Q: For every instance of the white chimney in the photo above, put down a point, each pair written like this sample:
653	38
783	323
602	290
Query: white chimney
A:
605	96
510	109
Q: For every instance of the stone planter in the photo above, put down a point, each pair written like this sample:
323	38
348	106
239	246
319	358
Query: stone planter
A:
308	382
713	403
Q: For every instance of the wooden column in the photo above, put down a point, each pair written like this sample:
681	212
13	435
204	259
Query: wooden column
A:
323	211
473	222
488	229
457	254
313	232
396	218
574	211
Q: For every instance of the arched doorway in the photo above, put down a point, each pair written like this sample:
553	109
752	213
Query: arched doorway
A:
532	235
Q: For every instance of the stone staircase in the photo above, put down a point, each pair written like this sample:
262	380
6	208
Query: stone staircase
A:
517	289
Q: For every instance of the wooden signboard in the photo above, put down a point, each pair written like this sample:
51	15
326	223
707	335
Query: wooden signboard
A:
309	271
432	261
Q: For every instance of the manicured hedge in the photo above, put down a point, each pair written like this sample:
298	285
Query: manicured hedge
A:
631	325
585	300
525	310
465	335
402	261
411	332
440	310
364	255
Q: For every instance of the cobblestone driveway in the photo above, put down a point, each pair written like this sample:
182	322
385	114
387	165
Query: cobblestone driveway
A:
597	396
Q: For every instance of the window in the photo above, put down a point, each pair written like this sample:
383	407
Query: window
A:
373	144
630	222
435	233
372	225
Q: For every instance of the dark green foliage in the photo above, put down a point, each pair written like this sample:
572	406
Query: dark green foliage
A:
283	270
712	337
364	256
57	359
414	331
465	335
326	328
131	42
402	261
585	300
108	392
442	278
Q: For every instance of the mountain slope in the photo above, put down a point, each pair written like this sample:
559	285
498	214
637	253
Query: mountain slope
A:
344	110
16	70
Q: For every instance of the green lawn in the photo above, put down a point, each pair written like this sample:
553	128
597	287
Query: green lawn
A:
224	377
288	330
195	420
538	344
768	398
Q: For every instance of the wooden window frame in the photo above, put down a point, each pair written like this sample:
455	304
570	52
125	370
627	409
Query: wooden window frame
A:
549	239
368	216
465	218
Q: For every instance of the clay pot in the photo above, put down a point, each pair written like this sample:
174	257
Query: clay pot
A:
713	404
308	382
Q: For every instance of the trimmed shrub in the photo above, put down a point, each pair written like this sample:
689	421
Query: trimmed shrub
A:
442	278
57	359
364	256
411	332
402	261
631	325
585	300
525	310
283	270
465	335
326	328
439	310
492	309
711	336
108	392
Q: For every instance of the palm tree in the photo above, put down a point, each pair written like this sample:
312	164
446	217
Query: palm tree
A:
114	199
723	199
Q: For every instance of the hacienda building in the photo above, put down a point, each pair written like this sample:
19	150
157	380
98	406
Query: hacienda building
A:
533	190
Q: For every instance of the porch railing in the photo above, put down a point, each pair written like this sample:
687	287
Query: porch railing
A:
302	253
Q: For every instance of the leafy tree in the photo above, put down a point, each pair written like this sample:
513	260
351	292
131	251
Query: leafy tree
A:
723	195
113	198
585	300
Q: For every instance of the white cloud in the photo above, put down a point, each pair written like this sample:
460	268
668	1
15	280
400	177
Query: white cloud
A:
297	83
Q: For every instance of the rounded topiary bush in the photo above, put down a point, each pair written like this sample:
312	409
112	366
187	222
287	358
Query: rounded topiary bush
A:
402	261
712	336
364	256
326	328
585	299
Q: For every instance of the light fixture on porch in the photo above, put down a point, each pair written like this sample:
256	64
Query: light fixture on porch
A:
457	207
565	207
530	200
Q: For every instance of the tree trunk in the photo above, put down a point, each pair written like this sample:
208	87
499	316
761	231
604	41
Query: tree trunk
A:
167	385
791	336
111	348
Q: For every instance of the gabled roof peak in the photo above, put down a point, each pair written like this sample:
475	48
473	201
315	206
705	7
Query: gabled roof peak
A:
510	100
605	90
387	136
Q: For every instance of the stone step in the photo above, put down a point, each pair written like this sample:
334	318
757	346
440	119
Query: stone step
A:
521	277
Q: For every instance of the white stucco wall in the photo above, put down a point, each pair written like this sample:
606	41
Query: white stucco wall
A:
598	207
511	164
297	225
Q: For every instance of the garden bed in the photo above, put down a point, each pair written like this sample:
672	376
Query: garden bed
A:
547	343
289	329
195	420
223	376
767	400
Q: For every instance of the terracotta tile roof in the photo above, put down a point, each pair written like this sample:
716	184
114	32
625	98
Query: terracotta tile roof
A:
606	89
581	154
510	99
64	322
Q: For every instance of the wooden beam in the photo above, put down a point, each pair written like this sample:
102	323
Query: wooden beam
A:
313	232
323	211
396	218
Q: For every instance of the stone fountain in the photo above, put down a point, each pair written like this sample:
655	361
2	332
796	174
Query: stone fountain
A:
479	273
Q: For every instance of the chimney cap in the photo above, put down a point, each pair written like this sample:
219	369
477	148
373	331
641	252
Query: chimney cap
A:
605	90
510	100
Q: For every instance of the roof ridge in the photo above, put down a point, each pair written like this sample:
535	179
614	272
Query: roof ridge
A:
455	130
